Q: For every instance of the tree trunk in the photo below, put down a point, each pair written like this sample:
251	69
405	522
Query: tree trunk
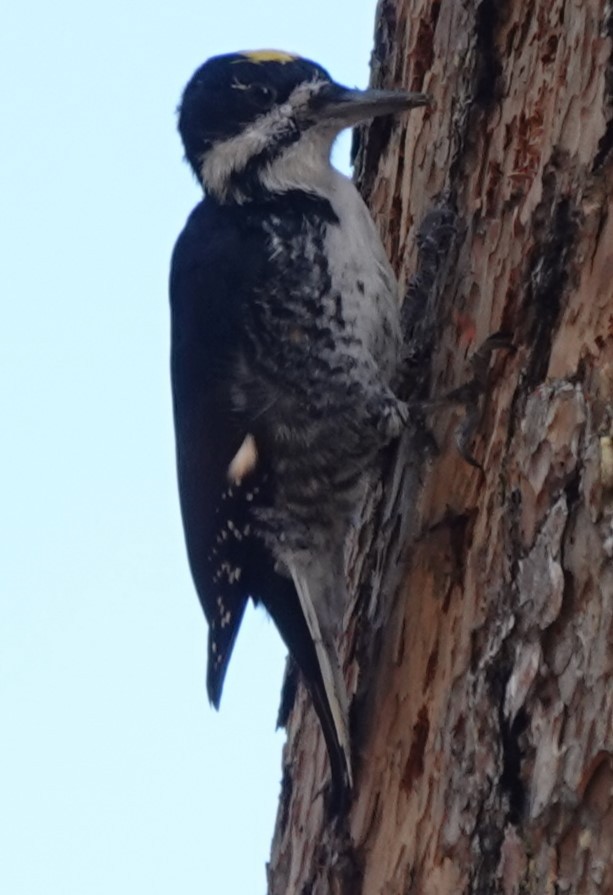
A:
478	644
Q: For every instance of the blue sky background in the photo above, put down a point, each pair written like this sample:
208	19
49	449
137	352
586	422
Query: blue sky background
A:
115	775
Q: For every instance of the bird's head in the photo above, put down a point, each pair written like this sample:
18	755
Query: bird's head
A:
265	121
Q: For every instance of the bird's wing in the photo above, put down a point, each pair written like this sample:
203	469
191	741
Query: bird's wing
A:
222	478
206	285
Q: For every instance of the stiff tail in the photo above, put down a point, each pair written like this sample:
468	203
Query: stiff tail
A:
322	610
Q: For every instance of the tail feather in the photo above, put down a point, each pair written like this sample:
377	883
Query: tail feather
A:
320	670
338	752
319	606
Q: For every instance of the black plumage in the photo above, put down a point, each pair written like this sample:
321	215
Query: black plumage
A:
219	263
285	342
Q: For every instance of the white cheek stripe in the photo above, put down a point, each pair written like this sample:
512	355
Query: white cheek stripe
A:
231	156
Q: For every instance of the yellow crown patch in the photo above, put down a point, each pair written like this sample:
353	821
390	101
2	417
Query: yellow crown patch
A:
268	56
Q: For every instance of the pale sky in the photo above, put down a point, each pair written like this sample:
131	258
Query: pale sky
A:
116	777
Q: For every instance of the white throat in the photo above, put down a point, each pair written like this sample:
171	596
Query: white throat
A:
305	165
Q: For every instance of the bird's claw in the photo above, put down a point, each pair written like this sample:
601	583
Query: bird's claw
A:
476	386
393	419
469	395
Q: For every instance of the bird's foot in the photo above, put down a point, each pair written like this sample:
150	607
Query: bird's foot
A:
389	416
470	394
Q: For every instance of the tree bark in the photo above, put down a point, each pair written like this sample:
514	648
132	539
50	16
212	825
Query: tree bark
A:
478	643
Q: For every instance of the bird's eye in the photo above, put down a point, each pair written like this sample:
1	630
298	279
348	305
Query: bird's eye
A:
262	96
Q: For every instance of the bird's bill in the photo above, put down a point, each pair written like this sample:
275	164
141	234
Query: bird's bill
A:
348	107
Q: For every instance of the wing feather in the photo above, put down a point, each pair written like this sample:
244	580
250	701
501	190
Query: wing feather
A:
209	289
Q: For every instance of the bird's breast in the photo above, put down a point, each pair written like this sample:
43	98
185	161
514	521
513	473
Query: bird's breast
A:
362	276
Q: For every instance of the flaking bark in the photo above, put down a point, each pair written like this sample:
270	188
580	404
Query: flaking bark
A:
478	643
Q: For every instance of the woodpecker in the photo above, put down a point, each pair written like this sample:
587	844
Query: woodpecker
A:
285	344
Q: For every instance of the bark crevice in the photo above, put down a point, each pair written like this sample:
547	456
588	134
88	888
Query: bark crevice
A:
477	643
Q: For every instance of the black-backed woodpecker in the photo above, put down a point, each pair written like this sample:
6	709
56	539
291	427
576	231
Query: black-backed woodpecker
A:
285	345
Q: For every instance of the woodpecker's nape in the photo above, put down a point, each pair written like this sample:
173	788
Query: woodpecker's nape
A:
285	347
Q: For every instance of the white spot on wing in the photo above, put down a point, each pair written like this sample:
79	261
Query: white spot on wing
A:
244	461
